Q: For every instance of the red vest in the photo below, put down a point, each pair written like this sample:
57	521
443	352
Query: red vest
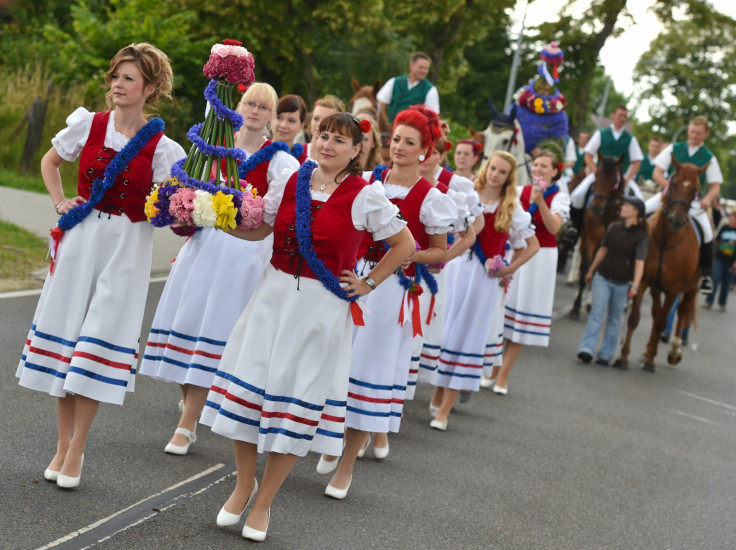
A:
409	207
491	241
443	182
128	194
546	239
334	237
258	176
303	157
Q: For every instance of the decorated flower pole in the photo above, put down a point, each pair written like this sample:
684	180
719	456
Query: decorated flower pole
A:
205	189
541	112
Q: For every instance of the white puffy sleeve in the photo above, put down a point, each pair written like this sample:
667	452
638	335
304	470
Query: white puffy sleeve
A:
70	141
464	219
438	213
472	200
561	205
167	153
373	212
272	199
521	227
281	162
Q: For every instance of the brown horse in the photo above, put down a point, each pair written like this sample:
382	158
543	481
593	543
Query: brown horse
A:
603	209
672	266
365	98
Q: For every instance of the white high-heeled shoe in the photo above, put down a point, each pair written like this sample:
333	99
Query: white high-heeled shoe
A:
338	494
361	453
325	467
181	449
255	535
69	482
487	382
50	475
225	518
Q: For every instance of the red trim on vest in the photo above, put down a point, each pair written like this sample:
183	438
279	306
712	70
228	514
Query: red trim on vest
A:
334	237
444	178
128	194
546	239
491	241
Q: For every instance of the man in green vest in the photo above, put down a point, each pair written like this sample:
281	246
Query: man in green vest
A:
583	139
646	170
411	89
614	141
695	152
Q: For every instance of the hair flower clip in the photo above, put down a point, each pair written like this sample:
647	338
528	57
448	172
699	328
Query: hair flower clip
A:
365	126
448	146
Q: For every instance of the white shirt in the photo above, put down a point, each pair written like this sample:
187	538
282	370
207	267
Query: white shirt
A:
431	101
712	173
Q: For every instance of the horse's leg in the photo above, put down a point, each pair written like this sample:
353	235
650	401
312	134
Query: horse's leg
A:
685	315
632	322
659	322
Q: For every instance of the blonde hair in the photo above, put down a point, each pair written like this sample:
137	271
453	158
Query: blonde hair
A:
154	67
507	199
373	157
262	93
700	120
331	102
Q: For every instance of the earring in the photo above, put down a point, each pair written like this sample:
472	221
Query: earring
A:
421	158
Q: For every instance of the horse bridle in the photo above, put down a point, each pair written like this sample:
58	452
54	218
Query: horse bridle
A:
668	203
608	198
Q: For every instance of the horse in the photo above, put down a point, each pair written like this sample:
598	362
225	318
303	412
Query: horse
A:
365	98
672	266
603	209
504	133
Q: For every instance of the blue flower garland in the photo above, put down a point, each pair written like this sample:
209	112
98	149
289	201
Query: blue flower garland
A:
262	155
424	273
222	112
551	190
101	185
218	151
304	233
478	251
297	150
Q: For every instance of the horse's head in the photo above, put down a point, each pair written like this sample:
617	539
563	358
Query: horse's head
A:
681	190
503	133
476	135
608	184
364	97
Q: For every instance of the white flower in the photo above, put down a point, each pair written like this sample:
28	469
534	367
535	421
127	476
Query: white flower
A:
224	50
204	214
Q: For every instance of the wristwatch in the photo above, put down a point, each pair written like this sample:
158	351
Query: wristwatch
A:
370	282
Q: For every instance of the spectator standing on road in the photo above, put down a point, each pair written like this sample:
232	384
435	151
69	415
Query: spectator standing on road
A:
282	384
401	92
615	273
723	267
83	343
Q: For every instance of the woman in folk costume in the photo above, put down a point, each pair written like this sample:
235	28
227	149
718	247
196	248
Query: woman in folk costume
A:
462	190
474	283
381	354
289	120
83	343
371	143
467	157
528	310
323	107
282	384
199	304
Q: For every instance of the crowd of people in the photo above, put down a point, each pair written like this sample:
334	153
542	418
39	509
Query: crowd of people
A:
365	241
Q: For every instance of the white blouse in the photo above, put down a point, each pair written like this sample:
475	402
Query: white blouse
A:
70	141
521	227
371	210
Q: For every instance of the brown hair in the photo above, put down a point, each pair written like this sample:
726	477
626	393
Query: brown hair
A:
419	55
374	155
507	200
700	120
154	67
346	125
292	103
554	158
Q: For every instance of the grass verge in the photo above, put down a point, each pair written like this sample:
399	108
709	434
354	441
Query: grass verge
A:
16	180
21	253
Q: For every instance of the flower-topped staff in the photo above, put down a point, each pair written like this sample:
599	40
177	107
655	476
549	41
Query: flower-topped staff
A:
208	189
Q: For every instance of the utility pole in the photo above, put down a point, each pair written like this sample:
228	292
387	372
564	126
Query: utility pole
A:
515	64
604	101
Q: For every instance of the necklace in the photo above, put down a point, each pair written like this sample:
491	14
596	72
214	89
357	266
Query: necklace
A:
323	186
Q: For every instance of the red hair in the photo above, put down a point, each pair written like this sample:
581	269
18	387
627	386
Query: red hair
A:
475	146
422	119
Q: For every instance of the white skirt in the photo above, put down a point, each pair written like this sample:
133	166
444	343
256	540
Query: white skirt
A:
379	364
471	299
430	352
86	328
493	356
283	377
530	300
212	280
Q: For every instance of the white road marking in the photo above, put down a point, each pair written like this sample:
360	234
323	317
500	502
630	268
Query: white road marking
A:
96	524
693	416
711	401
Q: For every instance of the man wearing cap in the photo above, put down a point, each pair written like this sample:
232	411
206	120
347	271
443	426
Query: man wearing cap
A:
402	92
614	276
614	141
695	152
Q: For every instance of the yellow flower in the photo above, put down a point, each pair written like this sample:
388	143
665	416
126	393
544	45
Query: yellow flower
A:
150	209
539	109
225	210
538	102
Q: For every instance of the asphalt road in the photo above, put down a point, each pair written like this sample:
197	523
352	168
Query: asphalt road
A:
575	457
